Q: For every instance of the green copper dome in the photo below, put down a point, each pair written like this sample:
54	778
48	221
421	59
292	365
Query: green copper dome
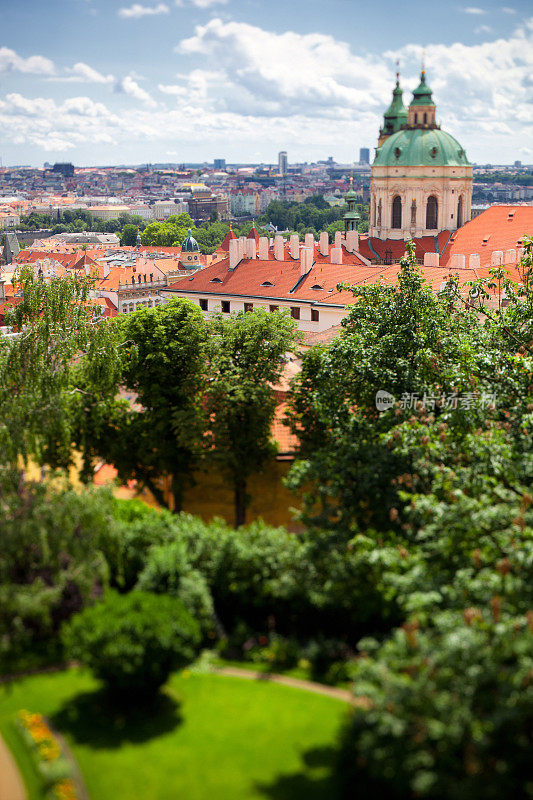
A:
190	245
422	95
396	114
414	147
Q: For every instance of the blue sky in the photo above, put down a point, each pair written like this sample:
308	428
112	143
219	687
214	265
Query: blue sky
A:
119	81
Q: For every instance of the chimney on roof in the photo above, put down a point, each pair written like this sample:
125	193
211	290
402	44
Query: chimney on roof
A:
336	254
496	259
294	246
324	243
242	246
306	260
431	259
474	261
279	248
510	256
310	241
2	290
458	261
352	241
87	270
251	248
338	239
234	253
263	248
106	269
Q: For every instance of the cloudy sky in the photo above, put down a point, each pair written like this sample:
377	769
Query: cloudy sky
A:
116	81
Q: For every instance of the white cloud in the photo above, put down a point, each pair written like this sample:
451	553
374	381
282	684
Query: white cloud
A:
250	90
83	73
136	11
508	10
201	3
483	29
473	10
130	87
35	65
258	71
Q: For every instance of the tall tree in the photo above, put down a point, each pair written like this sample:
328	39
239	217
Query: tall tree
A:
246	357
157	436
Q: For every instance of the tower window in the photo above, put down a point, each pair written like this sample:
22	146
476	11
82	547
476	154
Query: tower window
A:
416	119
425	118
460	212
432	212
397	212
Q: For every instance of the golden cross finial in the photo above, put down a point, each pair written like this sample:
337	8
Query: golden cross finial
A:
423	62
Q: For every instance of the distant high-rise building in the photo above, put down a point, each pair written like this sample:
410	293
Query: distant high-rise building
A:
518	163
219	163
364	155
283	162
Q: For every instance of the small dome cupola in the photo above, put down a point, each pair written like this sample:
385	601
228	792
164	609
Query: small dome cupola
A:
351	218
396	114
190	253
422	108
190	245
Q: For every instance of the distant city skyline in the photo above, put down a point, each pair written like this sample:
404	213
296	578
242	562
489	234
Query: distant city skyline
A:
122	82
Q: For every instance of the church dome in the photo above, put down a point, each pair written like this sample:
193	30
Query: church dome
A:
190	245
421	147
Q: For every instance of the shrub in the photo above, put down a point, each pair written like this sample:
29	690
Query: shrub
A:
168	571
444	713
133	642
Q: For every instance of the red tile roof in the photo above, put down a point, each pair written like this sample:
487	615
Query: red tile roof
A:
227	239
497	228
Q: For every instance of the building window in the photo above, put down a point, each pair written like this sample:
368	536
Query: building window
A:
225	307
425	118
295	312
460	212
432	213
397	212
248	307
273	308
379	213
314	315
416	119
203	304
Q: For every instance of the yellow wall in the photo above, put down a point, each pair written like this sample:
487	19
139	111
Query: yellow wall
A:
212	496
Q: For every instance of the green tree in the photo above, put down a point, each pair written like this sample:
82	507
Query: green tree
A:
51	564
164	365
246	356
58	333
129	235
133	642
444	712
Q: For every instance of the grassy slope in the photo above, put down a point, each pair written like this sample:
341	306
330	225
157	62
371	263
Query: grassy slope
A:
210	738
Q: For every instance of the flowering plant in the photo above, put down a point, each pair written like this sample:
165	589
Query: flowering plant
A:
52	765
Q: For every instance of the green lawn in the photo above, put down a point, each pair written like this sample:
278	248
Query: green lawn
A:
209	737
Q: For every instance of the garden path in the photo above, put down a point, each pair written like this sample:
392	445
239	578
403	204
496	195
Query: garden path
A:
296	683
11	783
